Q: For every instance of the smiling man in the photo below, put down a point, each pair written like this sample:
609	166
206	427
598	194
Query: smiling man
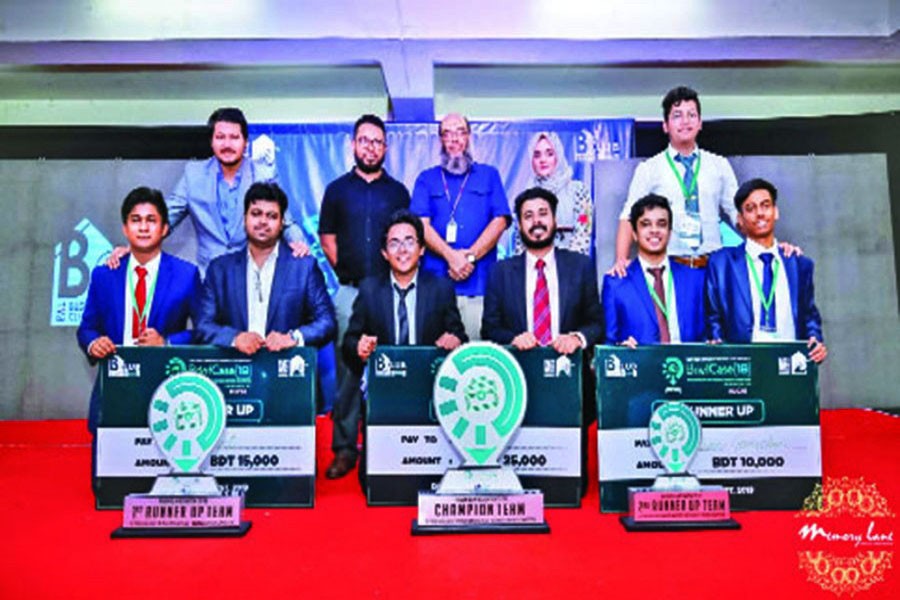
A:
698	183
146	303
260	296
658	300
406	306
754	292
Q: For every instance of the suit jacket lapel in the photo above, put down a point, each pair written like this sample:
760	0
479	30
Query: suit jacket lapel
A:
160	293
520	309
120	282
422	301
386	308
639	281
281	273
563	289
742	277
238	291
790	271
683	304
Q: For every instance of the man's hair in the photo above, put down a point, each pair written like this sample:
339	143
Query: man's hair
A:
371	120
228	115
646	203
266	190
536	193
748	187
404	216
677	96
145	195
464	119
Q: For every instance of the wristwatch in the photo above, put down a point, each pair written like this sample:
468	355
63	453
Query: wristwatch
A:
471	258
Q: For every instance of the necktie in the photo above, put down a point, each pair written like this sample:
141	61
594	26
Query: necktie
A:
140	300
657	273
767	315
692	204
402	317
541	306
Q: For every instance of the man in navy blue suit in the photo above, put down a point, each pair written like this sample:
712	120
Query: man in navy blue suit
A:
261	296
754	293
149	301
658	300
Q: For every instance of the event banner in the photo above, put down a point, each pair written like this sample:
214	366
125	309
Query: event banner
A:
758	406
407	451
267	453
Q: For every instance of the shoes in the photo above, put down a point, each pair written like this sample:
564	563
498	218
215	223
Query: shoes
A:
342	464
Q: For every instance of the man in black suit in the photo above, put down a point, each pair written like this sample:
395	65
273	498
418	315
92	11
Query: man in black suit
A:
407	306
545	296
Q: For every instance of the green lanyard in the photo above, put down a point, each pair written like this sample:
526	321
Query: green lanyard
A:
687	192
656	300
148	301
766	302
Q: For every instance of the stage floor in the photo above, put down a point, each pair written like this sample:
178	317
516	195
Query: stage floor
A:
57	546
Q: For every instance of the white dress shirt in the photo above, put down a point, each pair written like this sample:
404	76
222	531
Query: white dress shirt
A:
259	290
784	316
671	306
131	282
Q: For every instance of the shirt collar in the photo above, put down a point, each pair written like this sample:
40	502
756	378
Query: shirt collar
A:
646	265
273	256
394	282
673	152
151	265
549	259
754	249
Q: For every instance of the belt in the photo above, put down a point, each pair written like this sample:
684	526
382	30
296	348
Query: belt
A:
694	262
350	282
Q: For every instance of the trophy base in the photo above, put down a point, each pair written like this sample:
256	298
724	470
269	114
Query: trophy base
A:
182	506
480	500
181	532
656	526
678	502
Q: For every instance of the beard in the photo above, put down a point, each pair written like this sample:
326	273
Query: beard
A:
456	165
368	169
538	244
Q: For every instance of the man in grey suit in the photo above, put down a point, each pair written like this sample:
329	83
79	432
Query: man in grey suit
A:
211	192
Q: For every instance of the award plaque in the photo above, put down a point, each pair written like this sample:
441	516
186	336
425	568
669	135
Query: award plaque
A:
480	398
677	501
186	419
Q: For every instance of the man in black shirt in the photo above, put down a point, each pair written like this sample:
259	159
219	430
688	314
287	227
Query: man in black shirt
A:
356	210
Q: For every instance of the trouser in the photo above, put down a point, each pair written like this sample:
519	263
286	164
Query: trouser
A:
470	310
345	414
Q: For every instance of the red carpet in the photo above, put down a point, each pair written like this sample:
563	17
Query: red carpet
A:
57	546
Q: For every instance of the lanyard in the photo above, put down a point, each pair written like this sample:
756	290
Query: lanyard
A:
458	195
147	301
766	302
688	193
655	296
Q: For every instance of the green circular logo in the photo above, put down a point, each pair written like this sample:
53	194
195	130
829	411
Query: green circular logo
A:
480	398
187	418
674	435
672	369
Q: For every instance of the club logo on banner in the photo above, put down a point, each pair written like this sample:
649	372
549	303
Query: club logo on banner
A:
187	418
846	537
480	398
73	259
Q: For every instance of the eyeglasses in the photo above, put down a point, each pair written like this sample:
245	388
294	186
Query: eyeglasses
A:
366	141
454	134
395	245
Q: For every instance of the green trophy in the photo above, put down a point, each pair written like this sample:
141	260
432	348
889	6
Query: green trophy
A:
677	500
480	397
187	420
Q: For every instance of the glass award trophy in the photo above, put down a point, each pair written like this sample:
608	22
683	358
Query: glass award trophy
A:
677	501
187	419
479	399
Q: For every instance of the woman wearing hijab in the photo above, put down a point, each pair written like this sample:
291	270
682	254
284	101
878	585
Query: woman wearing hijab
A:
574	214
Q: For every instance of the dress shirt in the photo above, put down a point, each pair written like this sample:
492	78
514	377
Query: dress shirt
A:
410	307
131	280
671	305
716	186
259	290
784	317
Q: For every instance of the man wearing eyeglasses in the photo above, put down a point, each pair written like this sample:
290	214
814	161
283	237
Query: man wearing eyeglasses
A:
261	297
464	208
355	211
407	306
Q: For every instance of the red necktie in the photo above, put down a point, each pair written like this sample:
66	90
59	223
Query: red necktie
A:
140	299
541	306
657	273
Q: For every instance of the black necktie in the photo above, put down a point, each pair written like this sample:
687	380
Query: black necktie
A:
402	318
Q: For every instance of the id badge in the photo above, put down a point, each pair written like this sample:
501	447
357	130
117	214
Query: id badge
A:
690	226
451	232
